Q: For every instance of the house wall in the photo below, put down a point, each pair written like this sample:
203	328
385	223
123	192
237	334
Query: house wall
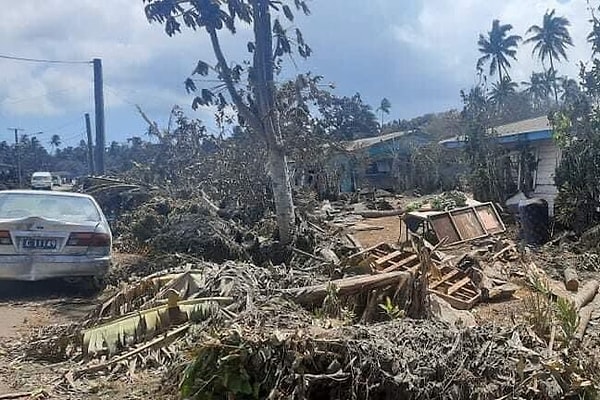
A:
548	156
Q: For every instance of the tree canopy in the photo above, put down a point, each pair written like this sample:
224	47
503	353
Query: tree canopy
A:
497	47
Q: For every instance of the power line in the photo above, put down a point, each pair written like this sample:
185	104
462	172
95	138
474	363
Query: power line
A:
42	60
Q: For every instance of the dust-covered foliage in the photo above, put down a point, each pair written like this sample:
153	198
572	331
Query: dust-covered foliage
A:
577	131
167	225
433	168
488	162
401	358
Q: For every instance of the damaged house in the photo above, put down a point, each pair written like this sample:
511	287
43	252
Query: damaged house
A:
533	157
380	162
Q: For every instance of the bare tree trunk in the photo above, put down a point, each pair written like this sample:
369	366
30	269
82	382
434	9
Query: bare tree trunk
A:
554	80
282	193
263	117
264	90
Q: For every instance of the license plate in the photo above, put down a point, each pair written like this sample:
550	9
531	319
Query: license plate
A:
39	243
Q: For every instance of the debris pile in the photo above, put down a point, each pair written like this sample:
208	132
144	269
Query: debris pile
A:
402	358
241	317
151	312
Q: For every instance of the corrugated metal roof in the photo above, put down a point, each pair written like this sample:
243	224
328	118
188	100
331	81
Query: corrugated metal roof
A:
526	126
511	132
370	141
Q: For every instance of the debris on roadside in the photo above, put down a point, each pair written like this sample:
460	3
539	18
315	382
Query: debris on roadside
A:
216	300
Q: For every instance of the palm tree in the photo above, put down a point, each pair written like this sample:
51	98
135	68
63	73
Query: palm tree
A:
502	91
497	48
551	40
55	141
384	108
570	90
538	88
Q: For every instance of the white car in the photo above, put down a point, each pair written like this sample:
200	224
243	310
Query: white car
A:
41	180
47	235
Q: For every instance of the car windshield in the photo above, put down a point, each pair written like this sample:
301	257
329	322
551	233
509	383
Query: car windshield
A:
62	208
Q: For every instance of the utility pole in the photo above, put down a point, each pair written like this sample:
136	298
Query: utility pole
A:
90	144
18	154
99	106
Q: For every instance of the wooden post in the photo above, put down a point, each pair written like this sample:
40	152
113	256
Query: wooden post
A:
99	106
90	145
585	314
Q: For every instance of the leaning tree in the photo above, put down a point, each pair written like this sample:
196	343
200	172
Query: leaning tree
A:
248	87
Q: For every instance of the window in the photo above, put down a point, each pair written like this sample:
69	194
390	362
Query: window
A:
62	208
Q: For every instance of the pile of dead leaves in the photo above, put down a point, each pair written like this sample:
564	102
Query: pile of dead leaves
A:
403	358
166	226
150	314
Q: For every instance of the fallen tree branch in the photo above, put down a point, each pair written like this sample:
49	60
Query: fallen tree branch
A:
586	294
354	241
314	295
380	214
503	251
304	253
20	395
585	314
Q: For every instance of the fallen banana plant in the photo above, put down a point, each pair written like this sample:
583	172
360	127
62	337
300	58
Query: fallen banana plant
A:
161	341
144	325
147	293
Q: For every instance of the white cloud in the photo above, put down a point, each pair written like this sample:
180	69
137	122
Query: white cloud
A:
138	57
417	53
446	32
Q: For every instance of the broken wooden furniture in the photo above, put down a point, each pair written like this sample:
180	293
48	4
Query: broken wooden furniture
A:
456	288
451	284
383	258
458	225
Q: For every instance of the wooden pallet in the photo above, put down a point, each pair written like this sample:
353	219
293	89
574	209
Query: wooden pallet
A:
387	259
382	258
453	285
456	288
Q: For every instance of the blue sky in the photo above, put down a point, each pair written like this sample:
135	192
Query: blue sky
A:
418	54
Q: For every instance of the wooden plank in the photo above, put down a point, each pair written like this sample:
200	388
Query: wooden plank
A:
314	295
455	226
449	275
458	285
388	257
367	250
379	253
457	303
468	224
443	227
480	221
401	263
461	296
490	218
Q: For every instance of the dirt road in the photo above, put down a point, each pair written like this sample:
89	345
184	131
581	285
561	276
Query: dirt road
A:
25	306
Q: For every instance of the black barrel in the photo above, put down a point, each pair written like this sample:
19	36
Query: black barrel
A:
534	220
